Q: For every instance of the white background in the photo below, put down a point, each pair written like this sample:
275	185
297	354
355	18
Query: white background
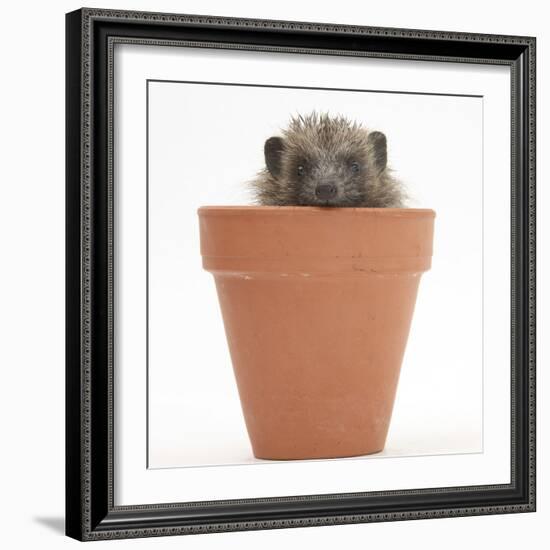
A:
32	299
205	141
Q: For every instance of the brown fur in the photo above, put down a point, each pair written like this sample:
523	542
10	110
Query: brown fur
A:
319	149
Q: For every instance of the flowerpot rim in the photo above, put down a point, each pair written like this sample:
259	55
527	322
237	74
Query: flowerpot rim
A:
315	210
238	240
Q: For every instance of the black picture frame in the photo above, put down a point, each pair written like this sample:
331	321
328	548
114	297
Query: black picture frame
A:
90	512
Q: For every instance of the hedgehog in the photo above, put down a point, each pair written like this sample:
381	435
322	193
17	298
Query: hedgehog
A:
323	160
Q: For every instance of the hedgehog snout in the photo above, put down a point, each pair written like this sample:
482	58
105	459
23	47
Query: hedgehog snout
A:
326	191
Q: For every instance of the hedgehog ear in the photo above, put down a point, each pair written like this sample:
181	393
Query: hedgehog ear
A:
379	146
273	151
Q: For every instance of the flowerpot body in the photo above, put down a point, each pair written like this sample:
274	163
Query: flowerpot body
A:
317	304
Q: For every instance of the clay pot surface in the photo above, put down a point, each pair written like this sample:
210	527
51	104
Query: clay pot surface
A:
317	304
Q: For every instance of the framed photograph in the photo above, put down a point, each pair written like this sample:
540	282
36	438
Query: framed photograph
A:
300	274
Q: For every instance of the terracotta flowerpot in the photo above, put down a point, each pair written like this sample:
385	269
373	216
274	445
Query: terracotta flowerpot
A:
317	305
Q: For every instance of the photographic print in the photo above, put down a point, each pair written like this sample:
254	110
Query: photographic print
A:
302	287
426	135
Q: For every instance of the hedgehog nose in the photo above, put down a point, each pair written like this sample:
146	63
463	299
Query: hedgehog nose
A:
325	191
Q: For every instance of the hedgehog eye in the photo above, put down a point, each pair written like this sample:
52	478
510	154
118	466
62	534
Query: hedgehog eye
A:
300	170
355	167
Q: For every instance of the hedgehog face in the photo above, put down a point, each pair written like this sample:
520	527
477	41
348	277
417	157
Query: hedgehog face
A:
327	178
324	161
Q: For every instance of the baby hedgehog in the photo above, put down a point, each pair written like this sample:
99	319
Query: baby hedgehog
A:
327	161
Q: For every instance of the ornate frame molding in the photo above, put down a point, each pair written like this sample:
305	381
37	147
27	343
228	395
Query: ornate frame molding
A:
91	35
